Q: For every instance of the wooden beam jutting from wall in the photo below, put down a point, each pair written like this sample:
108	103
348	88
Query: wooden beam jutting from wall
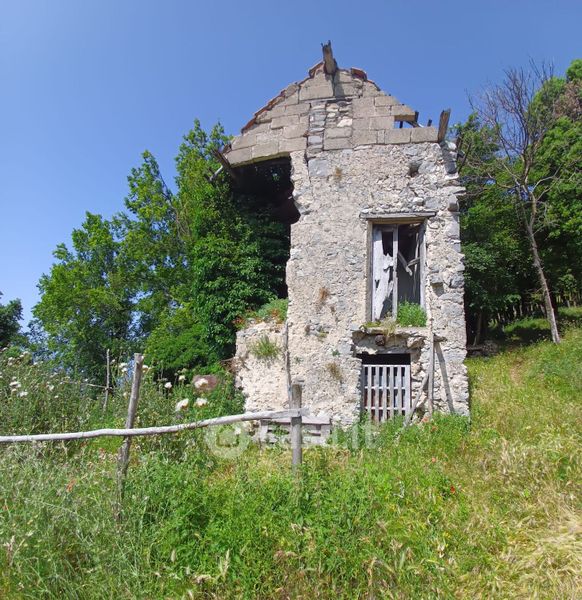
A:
444	124
329	62
225	165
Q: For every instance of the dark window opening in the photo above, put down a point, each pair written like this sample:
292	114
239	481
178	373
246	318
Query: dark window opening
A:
397	268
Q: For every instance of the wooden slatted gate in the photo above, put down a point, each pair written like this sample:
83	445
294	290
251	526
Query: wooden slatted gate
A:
385	390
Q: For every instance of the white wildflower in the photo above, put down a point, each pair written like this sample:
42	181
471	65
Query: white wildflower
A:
50	387
15	384
145	368
122	365
201	402
201	383
56	397
23	394
182	404
168	385
182	378
124	370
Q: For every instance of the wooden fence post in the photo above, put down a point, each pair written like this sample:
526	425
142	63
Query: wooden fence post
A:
430	391
123	460
107	381
296	428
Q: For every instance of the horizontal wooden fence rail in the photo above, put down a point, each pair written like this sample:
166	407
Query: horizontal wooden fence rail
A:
143	431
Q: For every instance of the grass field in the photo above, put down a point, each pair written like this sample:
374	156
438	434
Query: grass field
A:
450	509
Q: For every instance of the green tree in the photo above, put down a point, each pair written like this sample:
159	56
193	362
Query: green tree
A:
517	117
171	273
238	250
10	315
86	305
498	269
561	154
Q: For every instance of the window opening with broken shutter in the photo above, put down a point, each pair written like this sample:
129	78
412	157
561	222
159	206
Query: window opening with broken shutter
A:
397	269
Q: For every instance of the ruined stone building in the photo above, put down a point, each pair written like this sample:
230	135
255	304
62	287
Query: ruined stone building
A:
370	196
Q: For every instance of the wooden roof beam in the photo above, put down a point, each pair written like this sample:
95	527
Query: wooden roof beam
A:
329	62
444	124
225	165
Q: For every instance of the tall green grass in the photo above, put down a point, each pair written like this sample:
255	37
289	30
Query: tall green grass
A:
449	509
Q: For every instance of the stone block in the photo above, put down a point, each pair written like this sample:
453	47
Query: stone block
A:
385	100
338	132
319	78
276	111
319	167
361	124
267	136
381	122
383	111
363	103
313	93
264	117
284	121
293	145
401	112
291	90
302	108
363	137
294	131
290	100
243	141
337	144
363	107
370	89
344	77
347	89
344	122
397	136
264	150
236	157
424	134
258	128
452	230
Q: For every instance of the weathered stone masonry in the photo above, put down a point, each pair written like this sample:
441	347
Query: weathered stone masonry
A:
351	169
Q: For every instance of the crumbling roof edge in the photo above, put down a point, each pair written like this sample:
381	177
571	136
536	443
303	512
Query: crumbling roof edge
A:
293	87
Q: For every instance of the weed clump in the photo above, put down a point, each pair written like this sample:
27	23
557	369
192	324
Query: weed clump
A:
265	349
334	371
411	315
274	311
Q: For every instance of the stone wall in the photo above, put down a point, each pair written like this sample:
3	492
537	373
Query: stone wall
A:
352	168
264	381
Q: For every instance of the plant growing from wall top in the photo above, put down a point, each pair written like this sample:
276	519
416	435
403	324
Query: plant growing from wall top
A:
411	315
265	349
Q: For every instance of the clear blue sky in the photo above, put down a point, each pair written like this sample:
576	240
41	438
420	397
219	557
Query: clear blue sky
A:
87	85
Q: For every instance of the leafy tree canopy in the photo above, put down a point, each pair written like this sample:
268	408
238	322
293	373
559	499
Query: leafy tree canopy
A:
10	315
170	274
